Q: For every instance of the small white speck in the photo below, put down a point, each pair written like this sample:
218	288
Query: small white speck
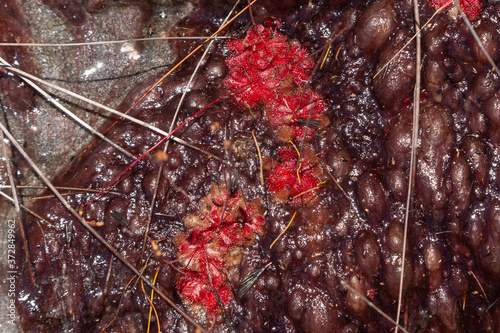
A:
133	53
89	72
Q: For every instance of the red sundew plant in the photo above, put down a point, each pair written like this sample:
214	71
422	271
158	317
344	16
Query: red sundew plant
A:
264	64
471	8
268	68
292	113
213	245
298	182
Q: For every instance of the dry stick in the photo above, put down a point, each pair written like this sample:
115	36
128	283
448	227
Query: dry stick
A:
413	157
416	103
18	208
260	158
299	159
65	194
104	107
330	40
110	41
69	113
281	234
151	306
326	56
250	279
38	217
92	230
492	304
367	301
119	303
79	189
9	173
108	277
476	37
24	207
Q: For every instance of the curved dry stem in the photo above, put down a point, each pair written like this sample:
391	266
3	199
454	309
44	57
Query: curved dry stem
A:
476	37
416	35
370	304
121	41
413	153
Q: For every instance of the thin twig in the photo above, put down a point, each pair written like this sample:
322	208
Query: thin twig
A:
151	305
13	186
186	88
309	190
149	39
413	37
479	283
370	304
335	181
326	56
190	54
119	303
281	234
154	147
25	208
260	158
476	37
194	205
250	279
413	157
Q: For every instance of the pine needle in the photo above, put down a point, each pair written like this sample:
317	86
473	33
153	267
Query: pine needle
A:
250	279
281	234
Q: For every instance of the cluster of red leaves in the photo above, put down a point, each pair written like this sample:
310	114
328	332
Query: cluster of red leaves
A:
271	70
294	180
215	238
292	114
268	68
471	8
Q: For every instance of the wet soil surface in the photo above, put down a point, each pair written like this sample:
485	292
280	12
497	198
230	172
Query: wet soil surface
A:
344	201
